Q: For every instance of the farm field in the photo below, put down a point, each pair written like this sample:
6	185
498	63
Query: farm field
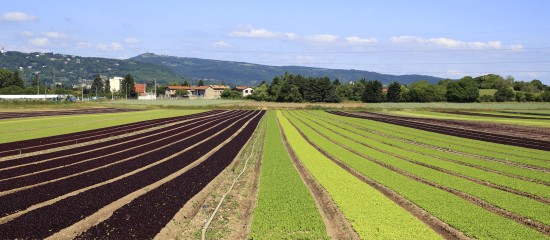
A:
522	120
311	174
82	187
37	127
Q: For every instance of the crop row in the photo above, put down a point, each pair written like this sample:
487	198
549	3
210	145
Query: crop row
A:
33	145
285	208
492	150
56	165
76	197
408	161
9	115
433	151
468	218
371	214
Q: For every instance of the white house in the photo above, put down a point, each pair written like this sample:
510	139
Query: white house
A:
244	90
114	83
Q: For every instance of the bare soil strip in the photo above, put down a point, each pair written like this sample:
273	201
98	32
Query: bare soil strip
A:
338	227
541	227
432	221
105	212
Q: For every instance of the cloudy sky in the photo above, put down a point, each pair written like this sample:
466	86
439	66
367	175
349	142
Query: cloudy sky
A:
445	38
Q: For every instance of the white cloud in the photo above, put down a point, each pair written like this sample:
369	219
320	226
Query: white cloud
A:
39	41
53	34
358	40
84	45
252	32
452	43
17	17
221	44
27	34
132	41
323	38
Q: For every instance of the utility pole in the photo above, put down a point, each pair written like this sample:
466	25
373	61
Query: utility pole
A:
38	85
155	89
82	89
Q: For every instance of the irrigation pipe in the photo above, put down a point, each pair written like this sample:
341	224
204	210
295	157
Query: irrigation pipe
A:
207	224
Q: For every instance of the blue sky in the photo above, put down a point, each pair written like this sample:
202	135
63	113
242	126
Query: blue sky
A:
445	38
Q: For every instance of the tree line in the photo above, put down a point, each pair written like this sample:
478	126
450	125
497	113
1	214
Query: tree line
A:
297	88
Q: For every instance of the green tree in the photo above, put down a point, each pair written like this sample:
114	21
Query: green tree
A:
261	93
97	85
394	92
182	93
186	83
504	94
373	92
200	83
232	94
127	88
545	96
423	91
5	75
107	88
463	90
537	84
35	80
344	91
15	80
289	93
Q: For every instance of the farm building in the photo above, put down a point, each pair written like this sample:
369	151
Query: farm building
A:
197	92
114	83
48	97
244	90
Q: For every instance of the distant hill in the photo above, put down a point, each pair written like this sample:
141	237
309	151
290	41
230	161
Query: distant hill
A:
71	70
242	73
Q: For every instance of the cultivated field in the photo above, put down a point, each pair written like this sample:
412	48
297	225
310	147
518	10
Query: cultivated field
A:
345	173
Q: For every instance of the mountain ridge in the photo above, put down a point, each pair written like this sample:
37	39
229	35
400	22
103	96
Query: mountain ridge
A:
72	70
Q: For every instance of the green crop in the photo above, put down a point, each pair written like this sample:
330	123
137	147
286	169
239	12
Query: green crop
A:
285	207
472	220
371	214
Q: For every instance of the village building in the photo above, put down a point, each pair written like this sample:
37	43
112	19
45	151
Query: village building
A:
244	90
196	92
115	83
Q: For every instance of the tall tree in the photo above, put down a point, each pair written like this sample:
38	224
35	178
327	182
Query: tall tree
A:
423	91
15	80
5	75
186	83
394	92
373	92
463	90
127	88
107	86
97	85
505	94
200	83
36	80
